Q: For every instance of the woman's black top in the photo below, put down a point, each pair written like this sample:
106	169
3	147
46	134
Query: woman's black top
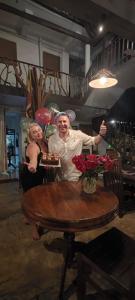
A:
29	179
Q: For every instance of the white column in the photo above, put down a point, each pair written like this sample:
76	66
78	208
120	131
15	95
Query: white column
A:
40	52
87	58
3	150
64	67
64	62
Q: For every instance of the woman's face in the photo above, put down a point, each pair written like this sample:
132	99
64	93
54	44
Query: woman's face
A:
36	133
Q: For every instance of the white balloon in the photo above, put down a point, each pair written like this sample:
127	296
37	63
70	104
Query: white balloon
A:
24	124
71	114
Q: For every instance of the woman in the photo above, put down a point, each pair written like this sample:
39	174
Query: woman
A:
32	174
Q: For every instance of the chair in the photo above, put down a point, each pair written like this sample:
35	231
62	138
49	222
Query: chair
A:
113	153
113	180
108	264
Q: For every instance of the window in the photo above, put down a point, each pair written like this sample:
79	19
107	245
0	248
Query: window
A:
51	62
8	49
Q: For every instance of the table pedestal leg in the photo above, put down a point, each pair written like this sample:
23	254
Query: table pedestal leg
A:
68	247
69	238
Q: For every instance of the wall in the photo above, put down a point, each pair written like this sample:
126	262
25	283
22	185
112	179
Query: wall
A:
64	62
30	50
27	50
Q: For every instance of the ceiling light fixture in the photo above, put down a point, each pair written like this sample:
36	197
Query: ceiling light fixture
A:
103	79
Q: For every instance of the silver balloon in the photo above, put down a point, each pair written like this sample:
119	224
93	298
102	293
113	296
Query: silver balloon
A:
71	114
53	107
25	122
50	130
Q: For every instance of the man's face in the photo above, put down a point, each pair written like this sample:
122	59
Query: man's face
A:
63	124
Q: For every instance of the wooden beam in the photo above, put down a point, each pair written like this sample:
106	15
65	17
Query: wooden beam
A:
44	23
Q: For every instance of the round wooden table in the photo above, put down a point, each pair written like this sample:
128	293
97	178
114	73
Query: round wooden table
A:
62	206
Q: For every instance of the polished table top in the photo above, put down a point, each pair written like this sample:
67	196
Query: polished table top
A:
61	206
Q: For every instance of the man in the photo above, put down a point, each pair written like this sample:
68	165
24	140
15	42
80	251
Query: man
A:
67	143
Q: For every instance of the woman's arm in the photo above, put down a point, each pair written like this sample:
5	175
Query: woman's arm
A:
32	152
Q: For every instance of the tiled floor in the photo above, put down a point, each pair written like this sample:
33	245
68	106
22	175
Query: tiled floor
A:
10	175
27	267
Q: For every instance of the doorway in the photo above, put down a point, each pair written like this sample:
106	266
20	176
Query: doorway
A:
12	123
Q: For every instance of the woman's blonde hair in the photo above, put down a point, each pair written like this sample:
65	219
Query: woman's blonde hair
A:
29	137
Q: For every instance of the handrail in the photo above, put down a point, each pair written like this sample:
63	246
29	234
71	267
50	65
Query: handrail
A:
17	73
36	66
112	55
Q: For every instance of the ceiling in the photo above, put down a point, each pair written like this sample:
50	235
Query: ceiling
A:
75	18
26	28
117	16
27	19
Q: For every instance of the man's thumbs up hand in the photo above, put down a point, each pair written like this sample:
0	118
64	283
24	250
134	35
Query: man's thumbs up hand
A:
103	122
103	129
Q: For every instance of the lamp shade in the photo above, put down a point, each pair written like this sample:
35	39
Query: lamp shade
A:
103	79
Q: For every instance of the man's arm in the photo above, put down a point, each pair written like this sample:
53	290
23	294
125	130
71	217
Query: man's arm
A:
94	140
98	139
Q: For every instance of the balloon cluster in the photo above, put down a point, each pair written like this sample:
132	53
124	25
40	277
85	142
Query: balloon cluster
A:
25	122
50	130
46	116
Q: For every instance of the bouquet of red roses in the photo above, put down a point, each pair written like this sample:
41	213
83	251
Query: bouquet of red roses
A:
91	164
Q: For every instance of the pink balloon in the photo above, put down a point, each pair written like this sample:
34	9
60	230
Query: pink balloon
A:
43	116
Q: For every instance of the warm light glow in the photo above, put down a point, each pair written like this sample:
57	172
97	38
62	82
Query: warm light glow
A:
100	28
112	121
101	83
103	79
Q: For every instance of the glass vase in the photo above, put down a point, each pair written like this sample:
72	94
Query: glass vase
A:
89	185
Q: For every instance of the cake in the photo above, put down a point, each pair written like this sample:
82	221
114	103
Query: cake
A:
50	159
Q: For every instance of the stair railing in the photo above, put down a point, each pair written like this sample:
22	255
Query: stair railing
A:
117	51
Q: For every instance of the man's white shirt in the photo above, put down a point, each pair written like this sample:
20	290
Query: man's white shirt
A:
68	149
